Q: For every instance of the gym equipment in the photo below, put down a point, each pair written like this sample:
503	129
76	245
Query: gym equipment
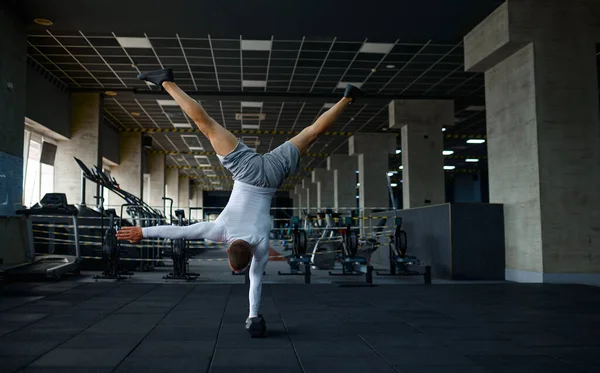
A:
324	254
111	252
400	263
352	264
256	326
49	266
298	257
180	247
139	211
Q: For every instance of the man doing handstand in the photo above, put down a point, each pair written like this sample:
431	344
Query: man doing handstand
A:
245	222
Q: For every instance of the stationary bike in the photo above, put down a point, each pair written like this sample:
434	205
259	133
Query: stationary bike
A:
299	256
180	249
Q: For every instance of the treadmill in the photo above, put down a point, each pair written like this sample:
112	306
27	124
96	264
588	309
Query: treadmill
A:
49	266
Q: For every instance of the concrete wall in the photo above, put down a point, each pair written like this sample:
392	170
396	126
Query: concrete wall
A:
512	150
157	180
86	116
172	187
129	172
184	192
13	77
110	142
344	169
569	153
48	100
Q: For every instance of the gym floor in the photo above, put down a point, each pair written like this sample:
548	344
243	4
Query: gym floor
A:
79	326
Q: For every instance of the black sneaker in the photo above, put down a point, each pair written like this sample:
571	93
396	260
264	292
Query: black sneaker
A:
157	77
353	93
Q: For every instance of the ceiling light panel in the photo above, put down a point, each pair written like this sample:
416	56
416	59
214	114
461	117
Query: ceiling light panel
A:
254	83
167	102
142	43
202	160
192	142
343	84
254	104
182	125
381	48
256	45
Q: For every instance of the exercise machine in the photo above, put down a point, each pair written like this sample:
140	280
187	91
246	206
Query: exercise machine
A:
298	257
111	252
400	263
352	264
325	249
180	249
49	266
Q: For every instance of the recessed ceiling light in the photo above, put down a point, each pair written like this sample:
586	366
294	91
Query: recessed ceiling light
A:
381	48
255	104
250	126
475	141
166	102
448	152
110	93
182	125
471	160
398	151
394	185
43	22
401	167
135	114
390	66
256	45
254	83
449	167
344	84
443	129
143	43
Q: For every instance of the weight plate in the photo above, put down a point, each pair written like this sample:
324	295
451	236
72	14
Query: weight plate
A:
301	242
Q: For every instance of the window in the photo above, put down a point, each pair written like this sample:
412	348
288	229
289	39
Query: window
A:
39	177
106	191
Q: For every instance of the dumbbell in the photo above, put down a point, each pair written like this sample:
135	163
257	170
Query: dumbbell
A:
256	326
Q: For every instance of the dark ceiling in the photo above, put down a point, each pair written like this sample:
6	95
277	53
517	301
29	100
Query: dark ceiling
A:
313	47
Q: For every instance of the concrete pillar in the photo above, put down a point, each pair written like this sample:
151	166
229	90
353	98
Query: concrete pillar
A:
421	123
299	200
156	163
310	191
172	187
198	201
13	59
373	150
184	192
86	116
323	180
129	173
543	134
344	169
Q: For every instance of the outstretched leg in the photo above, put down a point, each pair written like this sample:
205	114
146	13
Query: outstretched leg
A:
310	134
221	139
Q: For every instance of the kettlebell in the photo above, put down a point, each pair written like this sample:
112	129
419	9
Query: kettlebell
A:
256	327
